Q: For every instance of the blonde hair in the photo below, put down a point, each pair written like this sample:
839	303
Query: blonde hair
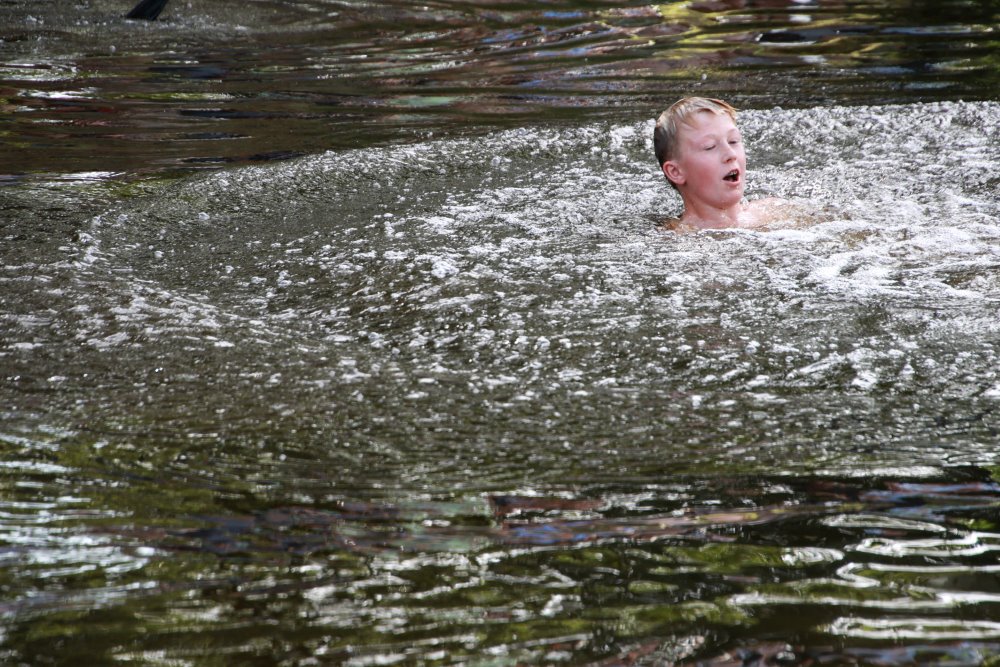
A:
680	112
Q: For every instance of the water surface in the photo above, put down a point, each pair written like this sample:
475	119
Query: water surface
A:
215	83
455	397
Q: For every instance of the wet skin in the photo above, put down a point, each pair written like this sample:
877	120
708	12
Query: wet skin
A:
710	173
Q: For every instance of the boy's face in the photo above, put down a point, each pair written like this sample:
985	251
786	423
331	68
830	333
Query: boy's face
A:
710	167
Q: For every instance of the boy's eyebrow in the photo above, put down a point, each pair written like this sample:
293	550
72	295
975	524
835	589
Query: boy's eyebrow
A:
712	135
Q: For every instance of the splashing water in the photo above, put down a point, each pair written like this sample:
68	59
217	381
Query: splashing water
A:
464	398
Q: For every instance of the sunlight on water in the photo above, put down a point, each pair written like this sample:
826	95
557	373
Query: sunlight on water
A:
227	82
527	269
346	333
465	398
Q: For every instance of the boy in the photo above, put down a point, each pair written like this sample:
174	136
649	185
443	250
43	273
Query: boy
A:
700	152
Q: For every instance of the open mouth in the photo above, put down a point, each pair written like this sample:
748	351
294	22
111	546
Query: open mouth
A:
732	176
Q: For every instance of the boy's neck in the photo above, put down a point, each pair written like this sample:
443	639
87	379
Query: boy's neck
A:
707	217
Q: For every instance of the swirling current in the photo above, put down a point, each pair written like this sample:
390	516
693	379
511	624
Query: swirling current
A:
464	400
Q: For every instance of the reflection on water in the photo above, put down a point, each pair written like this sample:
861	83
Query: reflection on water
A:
223	82
445	396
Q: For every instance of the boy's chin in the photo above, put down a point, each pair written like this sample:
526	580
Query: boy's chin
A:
732	197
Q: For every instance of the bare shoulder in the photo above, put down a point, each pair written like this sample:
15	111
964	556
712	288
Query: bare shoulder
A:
773	213
766	214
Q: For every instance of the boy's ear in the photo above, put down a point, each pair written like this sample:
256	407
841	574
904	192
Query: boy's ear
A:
673	172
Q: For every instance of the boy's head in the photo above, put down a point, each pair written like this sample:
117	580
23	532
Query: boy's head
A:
667	134
701	154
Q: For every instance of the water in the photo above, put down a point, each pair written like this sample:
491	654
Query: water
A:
228	82
455	397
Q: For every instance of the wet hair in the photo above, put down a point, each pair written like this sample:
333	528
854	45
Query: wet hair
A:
680	112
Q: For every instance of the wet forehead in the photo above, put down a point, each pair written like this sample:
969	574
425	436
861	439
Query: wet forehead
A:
706	124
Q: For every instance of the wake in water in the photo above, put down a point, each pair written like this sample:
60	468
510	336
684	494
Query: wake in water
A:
469	391
532	261
519	290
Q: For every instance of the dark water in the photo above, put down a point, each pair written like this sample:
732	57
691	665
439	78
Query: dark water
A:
344	333
222	82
